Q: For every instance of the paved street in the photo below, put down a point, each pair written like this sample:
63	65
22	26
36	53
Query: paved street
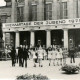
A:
53	72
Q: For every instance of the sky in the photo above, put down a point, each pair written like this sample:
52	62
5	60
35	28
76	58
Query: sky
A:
2	3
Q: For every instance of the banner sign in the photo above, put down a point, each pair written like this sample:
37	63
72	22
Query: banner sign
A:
42	23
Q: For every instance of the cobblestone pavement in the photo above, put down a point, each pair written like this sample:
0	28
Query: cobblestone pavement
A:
52	72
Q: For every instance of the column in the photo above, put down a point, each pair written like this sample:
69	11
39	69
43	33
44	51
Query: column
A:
17	39
66	38
32	39
48	38
4	38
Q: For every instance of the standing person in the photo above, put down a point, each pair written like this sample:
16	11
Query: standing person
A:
6	52
25	56
20	55
72	55
53	55
49	55
17	55
34	56
58	56
65	52
44	54
13	56
40	56
61	56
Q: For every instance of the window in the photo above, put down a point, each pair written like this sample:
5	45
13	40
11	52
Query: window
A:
34	12
64	10
3	18
49	11
19	14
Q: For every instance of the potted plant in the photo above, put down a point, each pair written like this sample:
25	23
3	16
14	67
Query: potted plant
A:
70	68
32	77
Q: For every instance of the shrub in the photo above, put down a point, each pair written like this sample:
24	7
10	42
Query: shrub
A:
32	77
70	68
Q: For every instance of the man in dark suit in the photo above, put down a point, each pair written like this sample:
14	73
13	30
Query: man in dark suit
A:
25	56
72	54
13	56
20	55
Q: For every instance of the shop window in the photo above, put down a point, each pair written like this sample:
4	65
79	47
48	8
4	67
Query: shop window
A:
3	18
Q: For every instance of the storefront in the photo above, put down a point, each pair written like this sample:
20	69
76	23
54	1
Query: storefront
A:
45	33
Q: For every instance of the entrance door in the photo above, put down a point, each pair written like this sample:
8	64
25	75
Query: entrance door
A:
74	38
57	37
40	38
25	38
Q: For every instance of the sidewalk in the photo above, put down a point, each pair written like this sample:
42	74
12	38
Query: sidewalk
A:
52	72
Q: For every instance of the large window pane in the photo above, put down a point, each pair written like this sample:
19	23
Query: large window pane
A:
34	12
64	10
48	11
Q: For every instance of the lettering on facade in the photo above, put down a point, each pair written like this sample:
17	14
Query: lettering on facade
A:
42	23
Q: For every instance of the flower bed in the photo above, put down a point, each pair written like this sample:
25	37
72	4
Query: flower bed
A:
70	68
32	77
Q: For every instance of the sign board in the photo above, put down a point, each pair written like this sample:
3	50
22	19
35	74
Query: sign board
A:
42	23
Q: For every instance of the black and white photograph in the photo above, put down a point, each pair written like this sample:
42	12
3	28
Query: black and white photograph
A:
39	39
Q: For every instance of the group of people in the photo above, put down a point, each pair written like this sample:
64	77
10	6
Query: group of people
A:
55	55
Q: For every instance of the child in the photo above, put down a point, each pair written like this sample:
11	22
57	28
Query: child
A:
40	56
53	55
49	55
57	57
34	56
65	52
61	56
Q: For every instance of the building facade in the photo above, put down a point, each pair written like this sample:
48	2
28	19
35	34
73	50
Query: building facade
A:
45	22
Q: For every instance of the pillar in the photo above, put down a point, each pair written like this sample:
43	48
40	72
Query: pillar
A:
48	38
32	39
17	39
66	38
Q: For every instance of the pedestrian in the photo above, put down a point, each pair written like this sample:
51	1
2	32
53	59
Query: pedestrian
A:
61	56
53	56
34	56
25	57
13	56
58	56
44	54
40	56
65	53
6	52
49	55
17	55
72	54
20	55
